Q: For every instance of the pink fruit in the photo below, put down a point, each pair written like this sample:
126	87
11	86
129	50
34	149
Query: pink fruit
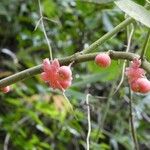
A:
65	84
103	60
136	77
143	85
134	86
5	89
50	72
57	77
134	73
65	73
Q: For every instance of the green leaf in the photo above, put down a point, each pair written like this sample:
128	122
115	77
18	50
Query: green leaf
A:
49	8
135	11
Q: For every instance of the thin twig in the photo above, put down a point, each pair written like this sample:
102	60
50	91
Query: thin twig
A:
89	123
44	31
51	20
145	45
133	132
69	106
122	78
6	141
130	38
124	63
100	97
37	24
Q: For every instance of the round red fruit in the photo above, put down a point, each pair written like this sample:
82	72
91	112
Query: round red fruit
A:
103	60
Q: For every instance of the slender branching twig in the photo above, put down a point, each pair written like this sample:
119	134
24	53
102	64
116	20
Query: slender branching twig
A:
37	24
89	122
133	132
68	104
6	141
44	31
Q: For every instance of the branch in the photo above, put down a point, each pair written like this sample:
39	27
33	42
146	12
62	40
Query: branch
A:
89	123
44	31
77	58
6	141
133	131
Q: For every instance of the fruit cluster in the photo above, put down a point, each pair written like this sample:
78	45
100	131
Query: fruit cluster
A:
58	77
136	77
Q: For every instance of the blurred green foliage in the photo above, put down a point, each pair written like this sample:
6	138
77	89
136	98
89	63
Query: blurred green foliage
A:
33	116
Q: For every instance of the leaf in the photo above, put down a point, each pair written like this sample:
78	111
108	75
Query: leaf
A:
135	11
49	8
